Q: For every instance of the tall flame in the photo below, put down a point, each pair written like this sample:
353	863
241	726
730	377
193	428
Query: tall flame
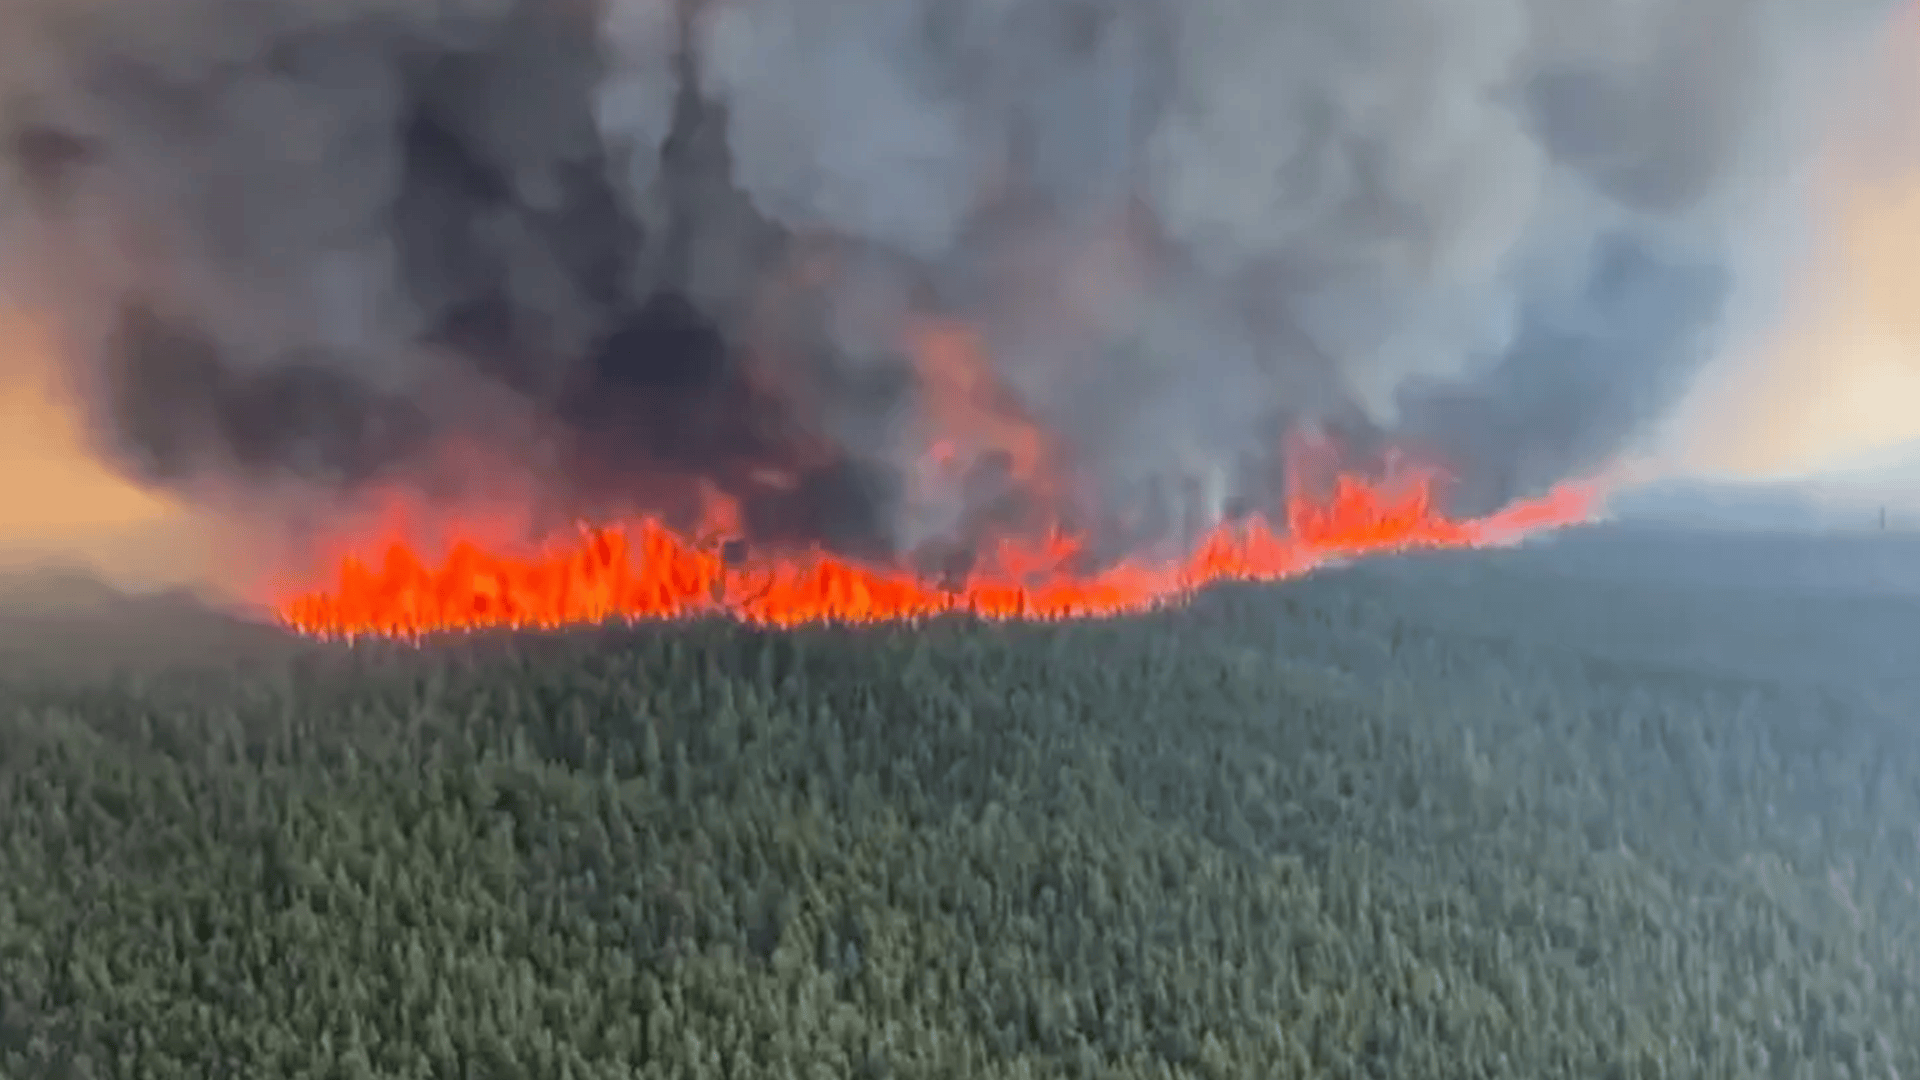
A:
1036	569
642	570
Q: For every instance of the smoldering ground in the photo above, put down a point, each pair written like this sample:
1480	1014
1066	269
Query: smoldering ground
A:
287	243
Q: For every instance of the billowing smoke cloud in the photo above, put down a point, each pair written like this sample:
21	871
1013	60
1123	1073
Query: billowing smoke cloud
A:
318	241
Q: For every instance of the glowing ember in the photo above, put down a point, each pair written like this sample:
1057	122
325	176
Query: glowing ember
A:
642	570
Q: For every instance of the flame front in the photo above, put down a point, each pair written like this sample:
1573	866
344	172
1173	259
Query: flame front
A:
645	571
1033	568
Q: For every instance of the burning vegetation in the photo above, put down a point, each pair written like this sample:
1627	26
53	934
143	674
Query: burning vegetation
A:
648	571
859	309
523	313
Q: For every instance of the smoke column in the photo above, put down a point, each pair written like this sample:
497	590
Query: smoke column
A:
287	247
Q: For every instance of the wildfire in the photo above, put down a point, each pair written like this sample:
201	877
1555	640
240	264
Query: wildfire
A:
1037	569
642	570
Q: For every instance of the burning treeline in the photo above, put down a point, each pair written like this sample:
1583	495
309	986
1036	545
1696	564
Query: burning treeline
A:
981	290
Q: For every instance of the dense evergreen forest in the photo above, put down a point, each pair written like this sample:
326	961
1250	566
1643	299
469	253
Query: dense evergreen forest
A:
1313	831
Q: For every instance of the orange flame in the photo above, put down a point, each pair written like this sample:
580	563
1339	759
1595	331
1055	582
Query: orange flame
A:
642	571
962	401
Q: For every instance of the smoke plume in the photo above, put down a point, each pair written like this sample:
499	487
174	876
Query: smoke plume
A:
311	244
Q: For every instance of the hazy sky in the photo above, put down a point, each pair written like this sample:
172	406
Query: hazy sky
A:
50	483
58	502
1839	374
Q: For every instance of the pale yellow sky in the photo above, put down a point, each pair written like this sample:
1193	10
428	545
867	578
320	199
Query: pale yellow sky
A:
58	503
1840	375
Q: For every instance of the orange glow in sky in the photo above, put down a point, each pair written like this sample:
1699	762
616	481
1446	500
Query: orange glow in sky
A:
1840	377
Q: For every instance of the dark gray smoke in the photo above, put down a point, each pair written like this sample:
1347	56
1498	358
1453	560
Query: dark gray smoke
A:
314	240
